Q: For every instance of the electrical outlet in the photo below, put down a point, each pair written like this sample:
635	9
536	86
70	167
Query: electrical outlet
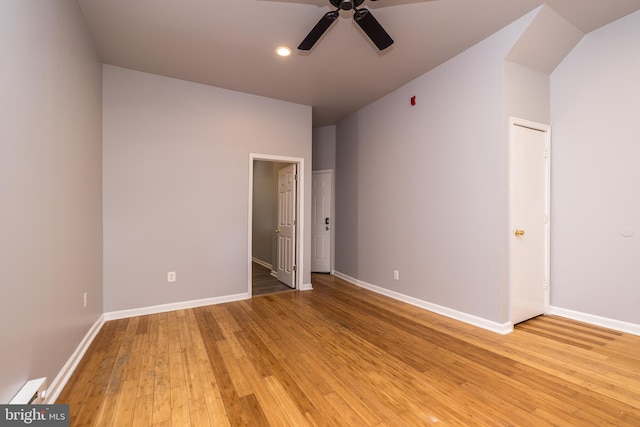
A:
171	276
396	275
84	300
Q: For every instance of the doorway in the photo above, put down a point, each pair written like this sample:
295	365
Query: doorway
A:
275	223
529	205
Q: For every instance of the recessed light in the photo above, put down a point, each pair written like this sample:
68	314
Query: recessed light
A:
283	51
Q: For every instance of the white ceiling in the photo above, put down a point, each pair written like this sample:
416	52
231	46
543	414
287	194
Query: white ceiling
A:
230	43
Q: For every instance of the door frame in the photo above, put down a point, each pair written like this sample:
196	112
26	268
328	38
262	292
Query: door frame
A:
300	225
333	216
515	121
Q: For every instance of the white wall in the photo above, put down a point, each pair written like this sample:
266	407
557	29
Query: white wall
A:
425	185
50	188
595	104
176	171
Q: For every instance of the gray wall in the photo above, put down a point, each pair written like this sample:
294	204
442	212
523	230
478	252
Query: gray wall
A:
176	181
426	191
422	189
264	211
595	104
324	147
50	188
527	93
347	187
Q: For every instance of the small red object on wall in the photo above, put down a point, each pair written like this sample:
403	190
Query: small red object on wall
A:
413	100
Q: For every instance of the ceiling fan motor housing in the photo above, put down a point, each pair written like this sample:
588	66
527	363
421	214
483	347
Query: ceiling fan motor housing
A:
346	4
363	17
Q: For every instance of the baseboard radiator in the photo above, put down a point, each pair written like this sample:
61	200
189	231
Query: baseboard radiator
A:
33	392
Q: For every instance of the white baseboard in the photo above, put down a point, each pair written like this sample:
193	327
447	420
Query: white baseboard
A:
500	328
63	376
618	325
154	309
262	263
305	287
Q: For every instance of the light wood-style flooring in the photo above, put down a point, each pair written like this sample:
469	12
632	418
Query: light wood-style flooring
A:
340	355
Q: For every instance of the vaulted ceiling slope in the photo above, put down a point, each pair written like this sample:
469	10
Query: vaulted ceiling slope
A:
230	43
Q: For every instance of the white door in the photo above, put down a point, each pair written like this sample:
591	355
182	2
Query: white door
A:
286	231
321	222
529	245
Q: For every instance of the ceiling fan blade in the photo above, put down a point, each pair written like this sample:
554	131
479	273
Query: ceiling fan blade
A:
317	31
373	29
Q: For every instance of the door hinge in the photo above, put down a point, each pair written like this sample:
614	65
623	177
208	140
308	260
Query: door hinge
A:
295	222
546	154
546	218
295	268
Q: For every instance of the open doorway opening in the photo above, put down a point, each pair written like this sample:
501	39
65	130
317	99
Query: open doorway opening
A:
274	225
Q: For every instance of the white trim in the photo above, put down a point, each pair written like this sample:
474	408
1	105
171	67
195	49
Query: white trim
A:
33	392
514	121
306	287
500	328
618	325
299	161
162	308
262	263
53	391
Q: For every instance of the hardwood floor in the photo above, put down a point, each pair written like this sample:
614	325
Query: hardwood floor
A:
343	356
263	283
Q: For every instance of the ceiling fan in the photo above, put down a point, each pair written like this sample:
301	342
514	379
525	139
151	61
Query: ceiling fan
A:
363	18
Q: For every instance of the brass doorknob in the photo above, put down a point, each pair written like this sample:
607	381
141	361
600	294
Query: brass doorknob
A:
519	232
277	230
